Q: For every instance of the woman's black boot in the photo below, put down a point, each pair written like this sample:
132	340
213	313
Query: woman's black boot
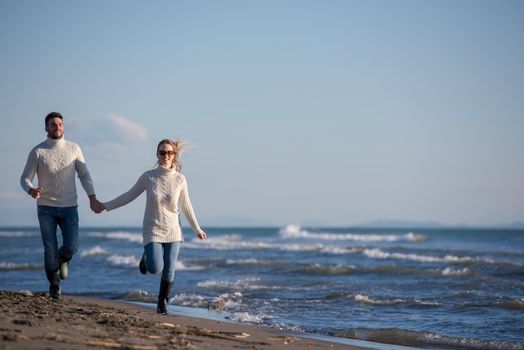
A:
163	295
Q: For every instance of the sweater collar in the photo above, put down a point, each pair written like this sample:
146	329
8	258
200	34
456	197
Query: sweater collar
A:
55	143
165	171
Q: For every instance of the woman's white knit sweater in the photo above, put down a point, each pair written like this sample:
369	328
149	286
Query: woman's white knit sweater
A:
55	163
165	190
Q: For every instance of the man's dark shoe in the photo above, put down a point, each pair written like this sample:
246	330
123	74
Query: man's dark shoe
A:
55	291
142	266
54	285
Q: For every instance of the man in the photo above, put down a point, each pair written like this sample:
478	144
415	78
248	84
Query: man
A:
55	162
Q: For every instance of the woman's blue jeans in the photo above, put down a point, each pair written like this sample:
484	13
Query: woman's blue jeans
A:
161	258
67	219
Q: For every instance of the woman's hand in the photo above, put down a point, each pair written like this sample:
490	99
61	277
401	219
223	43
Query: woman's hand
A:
202	235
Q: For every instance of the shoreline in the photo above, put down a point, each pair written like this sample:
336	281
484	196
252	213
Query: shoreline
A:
34	321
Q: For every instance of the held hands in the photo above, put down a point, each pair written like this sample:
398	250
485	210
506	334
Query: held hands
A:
96	205
35	192
202	235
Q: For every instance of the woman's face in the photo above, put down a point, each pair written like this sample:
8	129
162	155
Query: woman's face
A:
165	155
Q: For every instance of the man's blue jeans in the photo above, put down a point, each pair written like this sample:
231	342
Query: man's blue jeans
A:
65	218
161	257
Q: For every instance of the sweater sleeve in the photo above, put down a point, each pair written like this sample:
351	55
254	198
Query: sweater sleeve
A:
26	180
187	208
129	196
83	173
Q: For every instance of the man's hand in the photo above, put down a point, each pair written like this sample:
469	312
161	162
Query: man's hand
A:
35	192
96	205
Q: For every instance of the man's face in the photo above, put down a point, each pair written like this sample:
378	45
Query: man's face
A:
55	128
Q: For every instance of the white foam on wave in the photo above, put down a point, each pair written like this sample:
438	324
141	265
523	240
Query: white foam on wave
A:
339	250
251	261
225	301
236	285
245	317
380	254
193	300
230	242
364	299
299	247
294	231
18	234
124	235
137	293
121	260
448	271
427	303
181	266
6	266
96	250
226	242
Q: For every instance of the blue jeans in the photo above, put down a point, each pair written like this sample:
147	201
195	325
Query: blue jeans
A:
161	257
65	218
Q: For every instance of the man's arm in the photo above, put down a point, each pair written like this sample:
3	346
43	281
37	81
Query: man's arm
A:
26	180
87	182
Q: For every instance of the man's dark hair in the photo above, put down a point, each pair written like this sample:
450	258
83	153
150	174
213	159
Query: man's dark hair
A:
53	115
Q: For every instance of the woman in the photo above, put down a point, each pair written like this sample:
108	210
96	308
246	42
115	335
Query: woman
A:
166	189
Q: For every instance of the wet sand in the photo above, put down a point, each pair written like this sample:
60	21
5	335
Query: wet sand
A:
34	321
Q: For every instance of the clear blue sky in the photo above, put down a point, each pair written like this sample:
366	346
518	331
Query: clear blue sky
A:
309	112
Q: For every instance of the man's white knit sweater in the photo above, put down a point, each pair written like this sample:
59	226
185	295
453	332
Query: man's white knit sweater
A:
55	163
165	190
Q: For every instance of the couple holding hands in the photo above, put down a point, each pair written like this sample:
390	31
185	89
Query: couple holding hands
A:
57	161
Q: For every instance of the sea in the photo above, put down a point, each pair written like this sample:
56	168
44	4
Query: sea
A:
386	288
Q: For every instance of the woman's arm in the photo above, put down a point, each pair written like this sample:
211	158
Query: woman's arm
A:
187	208
129	196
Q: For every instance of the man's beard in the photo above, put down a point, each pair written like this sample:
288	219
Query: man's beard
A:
55	136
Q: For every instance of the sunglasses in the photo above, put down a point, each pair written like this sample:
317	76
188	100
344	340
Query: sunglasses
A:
168	153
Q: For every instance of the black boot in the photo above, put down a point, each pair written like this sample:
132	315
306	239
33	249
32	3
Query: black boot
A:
163	295
54	285
142	265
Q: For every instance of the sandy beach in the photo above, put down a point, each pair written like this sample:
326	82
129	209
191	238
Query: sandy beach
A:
34	321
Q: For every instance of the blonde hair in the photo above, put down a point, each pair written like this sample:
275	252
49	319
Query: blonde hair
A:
178	147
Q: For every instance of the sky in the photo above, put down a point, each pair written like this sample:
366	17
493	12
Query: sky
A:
316	113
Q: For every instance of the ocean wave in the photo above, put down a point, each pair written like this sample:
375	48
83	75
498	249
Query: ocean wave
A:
132	237
217	243
364	299
424	339
192	300
7	234
96	250
226	243
123	260
380	254
181	266
251	261
383	301
236	285
448	271
225	301
515	304
139	295
337	250
10	266
295	231
245	317
332	270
